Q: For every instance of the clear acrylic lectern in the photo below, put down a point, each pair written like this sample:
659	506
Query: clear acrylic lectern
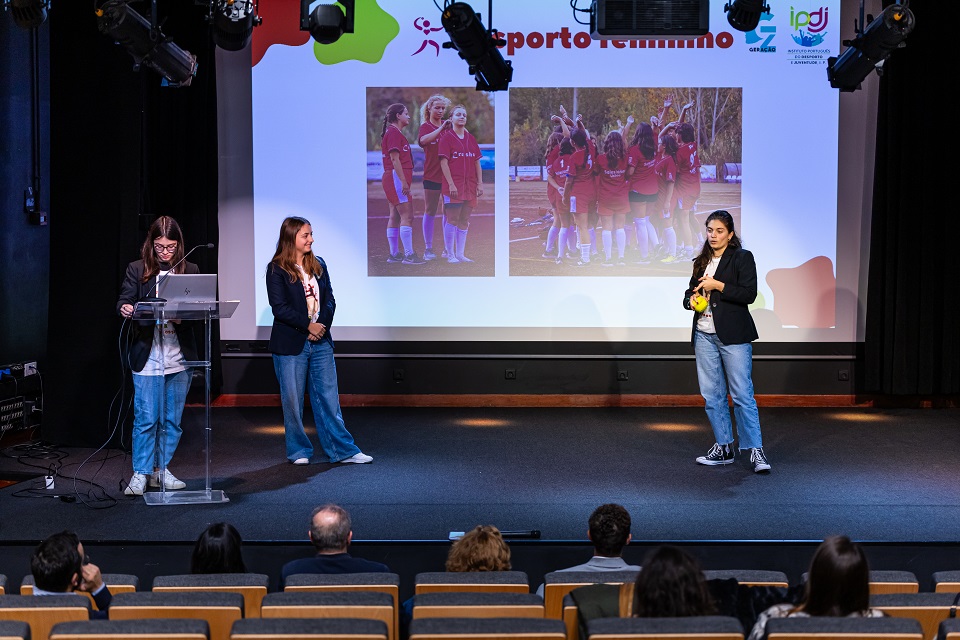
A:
161	312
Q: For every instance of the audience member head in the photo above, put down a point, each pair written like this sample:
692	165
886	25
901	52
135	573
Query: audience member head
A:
671	584
609	530
57	563
482	549
218	551
838	583
330	529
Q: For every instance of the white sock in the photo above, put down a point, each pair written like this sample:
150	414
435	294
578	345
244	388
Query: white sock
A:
643	242
670	237
392	234
651	232
461	242
607	236
552	239
428	226
592	233
562	241
573	239
450	239
406	238
621	242
585	252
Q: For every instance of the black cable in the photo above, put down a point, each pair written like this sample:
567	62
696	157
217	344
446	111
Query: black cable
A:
573	5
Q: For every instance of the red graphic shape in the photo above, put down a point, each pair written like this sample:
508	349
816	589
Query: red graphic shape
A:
805	296
281	25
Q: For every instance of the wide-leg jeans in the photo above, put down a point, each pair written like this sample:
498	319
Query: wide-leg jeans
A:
720	366
150	438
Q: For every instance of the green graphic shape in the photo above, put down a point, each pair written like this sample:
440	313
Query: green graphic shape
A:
373	27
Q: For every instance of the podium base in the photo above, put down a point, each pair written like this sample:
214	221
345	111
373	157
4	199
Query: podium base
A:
210	496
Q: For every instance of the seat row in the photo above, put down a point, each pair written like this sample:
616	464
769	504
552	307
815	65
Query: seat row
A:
691	628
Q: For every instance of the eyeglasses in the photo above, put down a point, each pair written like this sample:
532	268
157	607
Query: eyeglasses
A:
165	248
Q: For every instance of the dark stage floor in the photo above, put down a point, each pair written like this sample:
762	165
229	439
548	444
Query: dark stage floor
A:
876	475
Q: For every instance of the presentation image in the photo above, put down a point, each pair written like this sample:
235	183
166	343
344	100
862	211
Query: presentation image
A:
538	214
470	164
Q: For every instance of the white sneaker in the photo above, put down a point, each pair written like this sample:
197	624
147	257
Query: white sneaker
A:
301	461
170	481
357	458
136	485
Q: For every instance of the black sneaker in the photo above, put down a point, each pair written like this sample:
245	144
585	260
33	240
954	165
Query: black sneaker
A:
394	258
413	258
718	454
760	464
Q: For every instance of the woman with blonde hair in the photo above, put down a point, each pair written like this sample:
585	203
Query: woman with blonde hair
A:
431	128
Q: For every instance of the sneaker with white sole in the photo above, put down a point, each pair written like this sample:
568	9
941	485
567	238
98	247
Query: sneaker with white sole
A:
301	461
394	258
170	481
760	464
136	485
428	254
718	454
357	458
413	258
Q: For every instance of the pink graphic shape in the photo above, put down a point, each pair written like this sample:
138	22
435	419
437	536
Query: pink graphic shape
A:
805	296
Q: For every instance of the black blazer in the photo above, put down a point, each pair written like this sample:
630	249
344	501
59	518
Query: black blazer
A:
731	317
289	305
141	332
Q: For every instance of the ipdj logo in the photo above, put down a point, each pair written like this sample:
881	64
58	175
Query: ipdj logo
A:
373	27
813	21
761	38
422	24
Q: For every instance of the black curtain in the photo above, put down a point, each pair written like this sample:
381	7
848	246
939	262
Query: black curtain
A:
124	150
912	341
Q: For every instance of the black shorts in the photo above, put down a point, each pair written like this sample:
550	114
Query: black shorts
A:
430	185
642	197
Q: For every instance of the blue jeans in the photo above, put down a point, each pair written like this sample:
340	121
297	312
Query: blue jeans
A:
314	366
720	365
149	436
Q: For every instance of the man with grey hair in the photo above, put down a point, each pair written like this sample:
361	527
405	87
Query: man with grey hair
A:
330	534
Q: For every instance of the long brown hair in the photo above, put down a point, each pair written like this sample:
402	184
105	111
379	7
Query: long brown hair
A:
671	585
285	256
393	112
162	227
482	549
706	253
838	583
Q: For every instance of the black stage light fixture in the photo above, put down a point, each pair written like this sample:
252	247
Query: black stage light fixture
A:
27	14
145	43
645	19
744	15
327	22
476	45
233	23
871	48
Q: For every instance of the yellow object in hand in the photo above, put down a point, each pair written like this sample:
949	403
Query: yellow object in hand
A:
699	303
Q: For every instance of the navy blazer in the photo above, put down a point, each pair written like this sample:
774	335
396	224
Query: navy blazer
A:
731	315
134	290
289	305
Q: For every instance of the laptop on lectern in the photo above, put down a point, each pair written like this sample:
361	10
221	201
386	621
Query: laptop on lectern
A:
189	287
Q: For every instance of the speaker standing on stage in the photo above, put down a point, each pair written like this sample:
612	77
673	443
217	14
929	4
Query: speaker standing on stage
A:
171	343
726	276
301	298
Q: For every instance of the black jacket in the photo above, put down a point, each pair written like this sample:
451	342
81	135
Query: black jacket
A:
141	331
289	305
731	317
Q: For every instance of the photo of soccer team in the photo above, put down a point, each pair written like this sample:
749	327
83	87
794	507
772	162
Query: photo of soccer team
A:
430	182
618	181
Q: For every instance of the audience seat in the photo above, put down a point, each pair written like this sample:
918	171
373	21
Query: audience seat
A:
307	629
477	605
147	629
252	586
689	628
337	604
929	608
42	613
750	578
571	614
843	628
486	629
475	581
893	582
949	629
220	610
14	630
388	583
116	582
946	581
558	584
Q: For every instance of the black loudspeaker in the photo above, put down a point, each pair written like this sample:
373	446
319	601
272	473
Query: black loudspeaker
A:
649	19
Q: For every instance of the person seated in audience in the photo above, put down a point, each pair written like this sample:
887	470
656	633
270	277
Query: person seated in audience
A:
482	549
331	534
838	584
609	531
59	565
218	550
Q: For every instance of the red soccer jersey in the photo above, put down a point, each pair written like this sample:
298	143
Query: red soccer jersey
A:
581	176
612	187
644	178
462	156
431	163
666	173
552	155
393	139
688	168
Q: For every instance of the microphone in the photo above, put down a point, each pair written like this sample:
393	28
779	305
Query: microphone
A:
209	245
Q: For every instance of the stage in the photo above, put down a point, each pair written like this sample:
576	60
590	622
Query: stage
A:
887	477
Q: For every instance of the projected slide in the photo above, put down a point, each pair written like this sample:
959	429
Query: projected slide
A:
458	230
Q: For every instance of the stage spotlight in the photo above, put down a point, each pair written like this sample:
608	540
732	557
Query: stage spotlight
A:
233	23
870	49
327	22
27	14
744	15
477	46
145	43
